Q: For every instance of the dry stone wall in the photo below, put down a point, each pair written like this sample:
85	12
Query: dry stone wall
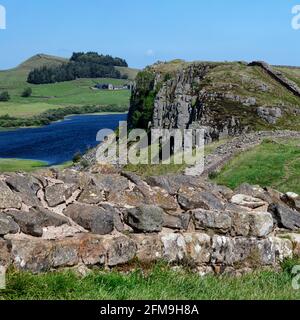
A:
61	219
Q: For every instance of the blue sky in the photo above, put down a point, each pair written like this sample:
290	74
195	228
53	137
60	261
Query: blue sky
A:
146	31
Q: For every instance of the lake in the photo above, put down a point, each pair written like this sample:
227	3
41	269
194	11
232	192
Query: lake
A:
59	141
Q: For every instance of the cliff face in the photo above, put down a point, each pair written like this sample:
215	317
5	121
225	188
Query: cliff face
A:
223	98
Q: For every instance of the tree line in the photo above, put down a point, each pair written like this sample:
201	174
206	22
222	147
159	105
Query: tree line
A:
81	65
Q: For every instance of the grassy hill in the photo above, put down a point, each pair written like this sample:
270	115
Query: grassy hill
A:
271	164
227	89
58	95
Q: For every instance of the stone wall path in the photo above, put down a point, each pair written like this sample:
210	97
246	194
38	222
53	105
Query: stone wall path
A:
225	152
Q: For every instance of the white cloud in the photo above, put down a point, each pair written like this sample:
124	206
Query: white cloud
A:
150	53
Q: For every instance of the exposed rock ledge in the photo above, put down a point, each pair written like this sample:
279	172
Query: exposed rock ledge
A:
57	219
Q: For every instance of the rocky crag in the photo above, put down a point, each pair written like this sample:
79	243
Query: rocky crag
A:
225	99
70	219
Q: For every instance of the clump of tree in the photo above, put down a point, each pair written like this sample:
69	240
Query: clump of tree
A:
142	104
4	96
77	157
26	93
81	65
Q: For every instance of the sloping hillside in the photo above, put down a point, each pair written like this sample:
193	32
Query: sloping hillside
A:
58	95
223	98
12	78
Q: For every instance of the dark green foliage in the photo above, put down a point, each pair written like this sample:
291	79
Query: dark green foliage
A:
81	65
56	114
142	105
4	96
84	163
27	93
77	157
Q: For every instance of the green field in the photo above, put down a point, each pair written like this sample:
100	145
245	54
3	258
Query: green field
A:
58	95
13	165
274	164
158	283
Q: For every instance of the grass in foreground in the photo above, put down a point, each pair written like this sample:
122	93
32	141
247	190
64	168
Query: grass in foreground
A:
274	164
160	283
13	165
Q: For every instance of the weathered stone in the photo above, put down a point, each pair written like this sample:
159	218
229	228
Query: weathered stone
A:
110	182
61	232
285	216
79	179
92	218
30	254
120	250
5	257
283	248
117	216
270	115
151	196
180	222
92	195
241	223
149	247
35	220
241	252
261	224
173	183
65	253
216	220
272	196
249	190
92	250
7	225
41	255
247	201
55	195
127	198
198	247
161	198
190	198
226	192
145	218
252	224
174	247
292	199
26	187
295	238
8	199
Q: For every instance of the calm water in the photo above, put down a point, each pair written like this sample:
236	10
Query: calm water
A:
59	141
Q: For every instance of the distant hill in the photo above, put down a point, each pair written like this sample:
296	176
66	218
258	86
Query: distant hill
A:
57	95
40	60
130	72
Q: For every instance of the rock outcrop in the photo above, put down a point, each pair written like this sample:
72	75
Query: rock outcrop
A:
109	220
224	99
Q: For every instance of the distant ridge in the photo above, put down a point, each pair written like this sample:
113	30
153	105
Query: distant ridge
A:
42	59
